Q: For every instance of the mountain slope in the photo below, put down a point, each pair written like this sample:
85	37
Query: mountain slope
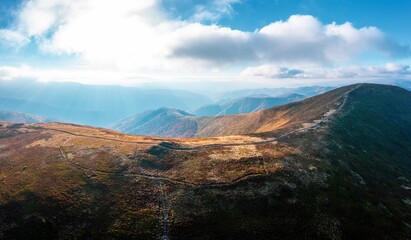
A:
345	176
284	117
7	116
161	122
369	145
209	110
245	105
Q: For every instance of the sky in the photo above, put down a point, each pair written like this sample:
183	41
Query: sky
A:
182	43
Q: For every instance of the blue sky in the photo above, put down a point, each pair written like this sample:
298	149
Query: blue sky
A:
249	42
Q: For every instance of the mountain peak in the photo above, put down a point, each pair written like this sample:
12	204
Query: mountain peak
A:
164	121
171	111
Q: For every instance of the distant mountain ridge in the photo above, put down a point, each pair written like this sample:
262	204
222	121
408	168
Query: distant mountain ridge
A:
88	104
246	105
161	122
276	92
16	117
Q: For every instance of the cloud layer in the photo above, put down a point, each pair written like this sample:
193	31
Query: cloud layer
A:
364	72
139	36
300	39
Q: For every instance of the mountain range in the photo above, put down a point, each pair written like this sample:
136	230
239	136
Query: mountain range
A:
7	116
168	122
161	122
88	104
307	91
102	106
334	166
246	105
175	123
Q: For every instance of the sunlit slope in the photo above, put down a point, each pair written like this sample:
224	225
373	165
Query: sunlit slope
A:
78	182
161	122
285	117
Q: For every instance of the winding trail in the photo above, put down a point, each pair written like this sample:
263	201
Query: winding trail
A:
164	213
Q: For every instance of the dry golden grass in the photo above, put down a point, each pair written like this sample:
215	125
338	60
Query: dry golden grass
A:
235	153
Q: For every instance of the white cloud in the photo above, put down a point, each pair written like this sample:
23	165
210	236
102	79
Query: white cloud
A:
12	39
131	36
270	71
300	39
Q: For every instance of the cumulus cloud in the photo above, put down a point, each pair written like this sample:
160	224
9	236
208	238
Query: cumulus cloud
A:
300	39
133	36
389	70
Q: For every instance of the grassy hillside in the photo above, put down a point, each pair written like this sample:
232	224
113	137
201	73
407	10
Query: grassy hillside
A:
370	144
282	118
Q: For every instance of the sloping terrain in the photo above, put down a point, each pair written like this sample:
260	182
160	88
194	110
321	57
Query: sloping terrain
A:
341	171
246	105
281	118
285	117
16	117
168	122
161	122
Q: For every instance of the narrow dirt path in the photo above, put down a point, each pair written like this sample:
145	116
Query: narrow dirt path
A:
323	120
164	212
